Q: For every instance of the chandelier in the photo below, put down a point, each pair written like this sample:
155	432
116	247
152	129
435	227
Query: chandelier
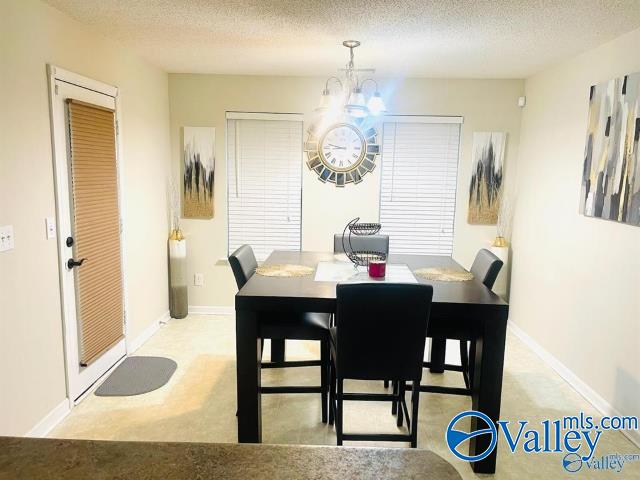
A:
350	98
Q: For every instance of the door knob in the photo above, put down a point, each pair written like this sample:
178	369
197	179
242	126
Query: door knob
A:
74	263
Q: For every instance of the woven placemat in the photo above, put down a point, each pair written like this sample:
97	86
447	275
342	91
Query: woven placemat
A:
284	270
444	274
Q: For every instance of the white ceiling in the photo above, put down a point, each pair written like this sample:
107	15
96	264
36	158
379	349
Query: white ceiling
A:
420	38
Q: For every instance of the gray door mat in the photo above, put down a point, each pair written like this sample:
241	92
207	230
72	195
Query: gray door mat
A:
137	375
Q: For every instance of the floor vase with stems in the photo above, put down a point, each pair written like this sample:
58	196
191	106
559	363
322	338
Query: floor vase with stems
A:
178	294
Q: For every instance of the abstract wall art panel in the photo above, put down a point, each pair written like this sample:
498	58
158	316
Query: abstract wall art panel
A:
198	150
485	188
611	173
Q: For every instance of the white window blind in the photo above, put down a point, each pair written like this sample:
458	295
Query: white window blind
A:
264	162
418	186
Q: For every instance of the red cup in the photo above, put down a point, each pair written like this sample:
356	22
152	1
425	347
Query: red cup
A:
377	268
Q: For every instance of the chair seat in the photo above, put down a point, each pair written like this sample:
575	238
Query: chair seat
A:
295	326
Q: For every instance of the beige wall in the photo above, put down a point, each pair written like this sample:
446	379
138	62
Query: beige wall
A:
201	100
32	378
575	280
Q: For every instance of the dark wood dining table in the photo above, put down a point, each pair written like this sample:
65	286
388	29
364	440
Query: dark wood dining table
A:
460	310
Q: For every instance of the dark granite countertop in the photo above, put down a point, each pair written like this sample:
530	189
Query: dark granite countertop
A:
32	458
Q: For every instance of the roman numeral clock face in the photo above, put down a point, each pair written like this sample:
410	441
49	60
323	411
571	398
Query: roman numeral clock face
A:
342	147
342	154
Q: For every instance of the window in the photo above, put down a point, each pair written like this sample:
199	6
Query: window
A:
418	185
264	164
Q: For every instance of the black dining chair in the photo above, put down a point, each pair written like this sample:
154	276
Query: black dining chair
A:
380	334
367	243
485	268
288	326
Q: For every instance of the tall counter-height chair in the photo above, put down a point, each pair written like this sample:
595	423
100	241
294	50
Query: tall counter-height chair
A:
380	334
289	326
368	243
485	268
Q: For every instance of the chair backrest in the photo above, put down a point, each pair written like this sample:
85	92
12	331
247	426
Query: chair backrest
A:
243	264
486	267
369	243
381	330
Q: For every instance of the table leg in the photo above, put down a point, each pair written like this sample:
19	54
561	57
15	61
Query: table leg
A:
277	350
248	347
487	389
437	354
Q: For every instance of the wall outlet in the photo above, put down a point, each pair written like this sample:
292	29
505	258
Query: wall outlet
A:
198	279
6	238
50	223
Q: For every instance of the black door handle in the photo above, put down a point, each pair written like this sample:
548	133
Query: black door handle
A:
73	263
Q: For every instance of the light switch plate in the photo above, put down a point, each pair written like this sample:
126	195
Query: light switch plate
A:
6	238
50	223
198	279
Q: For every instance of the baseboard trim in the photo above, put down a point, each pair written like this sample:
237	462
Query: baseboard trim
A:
147	333
50	420
211	310
55	416
600	404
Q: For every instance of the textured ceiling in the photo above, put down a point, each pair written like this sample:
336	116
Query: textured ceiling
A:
426	38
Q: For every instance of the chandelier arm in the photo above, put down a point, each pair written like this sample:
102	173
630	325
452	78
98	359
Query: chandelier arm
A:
369	80
326	85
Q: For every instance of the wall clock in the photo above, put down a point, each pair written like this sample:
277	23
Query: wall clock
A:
342	153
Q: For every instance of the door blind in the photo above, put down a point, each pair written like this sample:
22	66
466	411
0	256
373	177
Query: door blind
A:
418	186
94	180
265	183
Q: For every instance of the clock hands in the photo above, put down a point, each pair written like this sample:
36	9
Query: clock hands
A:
336	146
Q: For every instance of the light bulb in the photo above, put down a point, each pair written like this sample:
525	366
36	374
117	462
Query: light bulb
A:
357	111
376	104
357	98
356	105
326	100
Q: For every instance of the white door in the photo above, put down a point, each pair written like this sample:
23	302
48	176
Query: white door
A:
89	226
